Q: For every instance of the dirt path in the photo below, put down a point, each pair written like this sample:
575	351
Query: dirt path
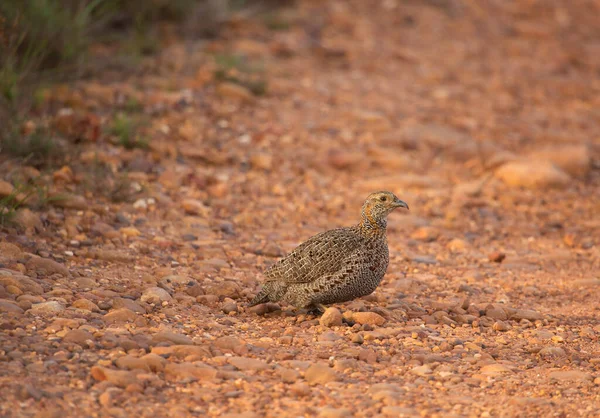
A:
483	118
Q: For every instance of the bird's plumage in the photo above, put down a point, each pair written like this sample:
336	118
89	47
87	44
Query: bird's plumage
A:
336	265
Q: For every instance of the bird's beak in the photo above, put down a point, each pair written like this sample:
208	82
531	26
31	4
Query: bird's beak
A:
400	204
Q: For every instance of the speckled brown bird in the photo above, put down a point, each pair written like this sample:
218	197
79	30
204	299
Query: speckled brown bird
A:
334	266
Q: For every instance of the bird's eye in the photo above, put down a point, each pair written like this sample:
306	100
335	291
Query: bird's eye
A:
383	198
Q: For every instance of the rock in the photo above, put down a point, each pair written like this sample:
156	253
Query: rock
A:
334	412
345	159
119	316
288	375
155	295
457	245
182	351
399	412
572	159
195	207
528	314
571	375
586	282
24	283
229	306
79	336
533	175
496	313
320	373
27	219
234	91
189	372
118	378
10	307
10	251
423	370
261	161
552	352
118	303
46	267
231	343
47	308
495	369
6	189
86	305
244	363
149	362
172	337
70	201
497	256
501	326
227	288
332	317
300	389
111	255
368	356
368	318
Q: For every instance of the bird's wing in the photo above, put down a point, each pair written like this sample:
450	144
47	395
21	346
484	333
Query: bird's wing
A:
320	255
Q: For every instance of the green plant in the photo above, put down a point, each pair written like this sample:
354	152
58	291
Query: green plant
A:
125	130
38	148
237	69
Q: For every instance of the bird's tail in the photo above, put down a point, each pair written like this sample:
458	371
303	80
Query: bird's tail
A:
262	297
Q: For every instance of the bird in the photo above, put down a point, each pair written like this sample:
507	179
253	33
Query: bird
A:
334	266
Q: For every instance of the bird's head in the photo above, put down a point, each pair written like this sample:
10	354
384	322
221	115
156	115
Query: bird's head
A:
379	205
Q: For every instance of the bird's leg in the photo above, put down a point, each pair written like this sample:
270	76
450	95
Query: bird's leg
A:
316	309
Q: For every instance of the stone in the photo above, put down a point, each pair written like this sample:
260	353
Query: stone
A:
6	189
457	245
245	363
552	352
229	306
195	207
334	412
149	362
47	308
86	305
320	373
495	369
155	295
27	219
46	267
573	159
501	326
533	175
368	318
423	370
227	288
231	343
496	256
189	372
120	378
571	375
70	201
332	317
10	307
79	336
528	314
234	91
182	351
288	375
118	303
10	251
119	316
172	337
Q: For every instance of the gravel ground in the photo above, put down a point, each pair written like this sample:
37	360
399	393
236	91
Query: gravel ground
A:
483	117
